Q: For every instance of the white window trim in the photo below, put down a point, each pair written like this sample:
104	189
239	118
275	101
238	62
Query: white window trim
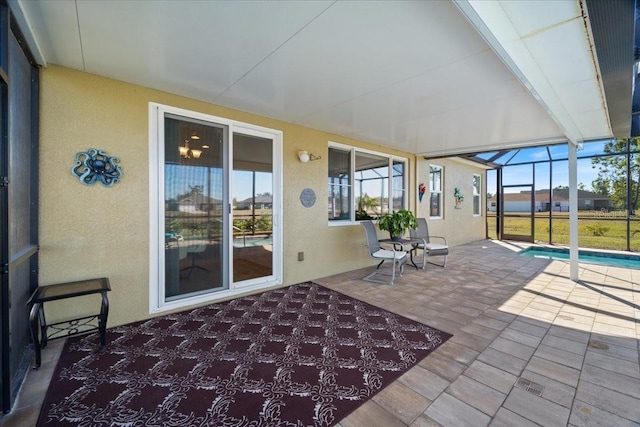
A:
352	149
479	196
441	192
156	218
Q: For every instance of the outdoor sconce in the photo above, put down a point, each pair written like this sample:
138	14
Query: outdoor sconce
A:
306	156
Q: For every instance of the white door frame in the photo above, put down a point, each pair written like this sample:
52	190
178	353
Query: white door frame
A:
157	301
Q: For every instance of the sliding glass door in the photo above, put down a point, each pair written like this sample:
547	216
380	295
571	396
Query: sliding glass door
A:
252	207
219	199
194	201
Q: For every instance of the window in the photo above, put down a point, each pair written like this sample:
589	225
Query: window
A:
364	184
339	184
435	190
477	188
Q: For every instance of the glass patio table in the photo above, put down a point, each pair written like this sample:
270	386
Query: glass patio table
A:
401	245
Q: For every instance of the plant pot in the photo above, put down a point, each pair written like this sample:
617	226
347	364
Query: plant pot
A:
396	238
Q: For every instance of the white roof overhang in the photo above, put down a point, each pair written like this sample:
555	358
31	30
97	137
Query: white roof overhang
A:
432	78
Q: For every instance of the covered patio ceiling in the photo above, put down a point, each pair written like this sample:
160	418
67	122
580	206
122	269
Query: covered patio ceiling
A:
433	78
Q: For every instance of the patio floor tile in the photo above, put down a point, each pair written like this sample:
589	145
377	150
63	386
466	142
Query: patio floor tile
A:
566	358
536	409
587	415
611	363
555	370
476	394
449	411
513	348
424	382
511	317
402	402
506	418
608	400
489	375
502	361
443	366
554	391
371	414
521	337
611	380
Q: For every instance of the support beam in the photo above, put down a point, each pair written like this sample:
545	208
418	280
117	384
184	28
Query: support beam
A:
573	212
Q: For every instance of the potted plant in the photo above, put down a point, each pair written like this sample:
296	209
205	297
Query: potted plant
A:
397	223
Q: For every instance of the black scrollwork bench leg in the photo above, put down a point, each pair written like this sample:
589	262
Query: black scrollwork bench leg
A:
34	323
102	324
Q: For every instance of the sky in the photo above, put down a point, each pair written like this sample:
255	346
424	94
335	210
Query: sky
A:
521	174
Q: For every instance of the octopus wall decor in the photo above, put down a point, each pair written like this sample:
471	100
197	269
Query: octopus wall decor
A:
95	165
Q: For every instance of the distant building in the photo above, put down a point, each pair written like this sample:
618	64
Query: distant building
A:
194	204
521	202
261	202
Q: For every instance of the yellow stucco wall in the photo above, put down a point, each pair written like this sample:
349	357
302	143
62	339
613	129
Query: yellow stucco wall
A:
457	225
93	231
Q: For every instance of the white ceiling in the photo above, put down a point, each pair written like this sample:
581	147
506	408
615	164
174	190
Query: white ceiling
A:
428	77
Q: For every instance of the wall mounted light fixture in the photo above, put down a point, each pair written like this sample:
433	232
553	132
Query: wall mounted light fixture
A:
189	153
306	156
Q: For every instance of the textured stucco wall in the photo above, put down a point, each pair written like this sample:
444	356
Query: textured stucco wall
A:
457	225
93	231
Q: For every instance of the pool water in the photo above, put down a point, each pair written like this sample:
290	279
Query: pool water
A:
613	260
248	241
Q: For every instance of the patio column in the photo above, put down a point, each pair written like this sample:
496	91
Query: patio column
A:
573	212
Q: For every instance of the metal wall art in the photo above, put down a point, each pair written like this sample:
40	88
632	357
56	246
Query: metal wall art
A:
94	166
457	194
421	190
308	197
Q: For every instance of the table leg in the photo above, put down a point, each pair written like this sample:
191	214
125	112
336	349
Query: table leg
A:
102	322
411	258
44	339
34	319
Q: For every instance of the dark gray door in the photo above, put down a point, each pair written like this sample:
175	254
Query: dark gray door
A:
18	206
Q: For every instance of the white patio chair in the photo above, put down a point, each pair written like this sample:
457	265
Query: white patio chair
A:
429	248
397	258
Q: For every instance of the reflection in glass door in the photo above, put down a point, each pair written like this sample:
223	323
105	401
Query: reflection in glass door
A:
252	207
194	207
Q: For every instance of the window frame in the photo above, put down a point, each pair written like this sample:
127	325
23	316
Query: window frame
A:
477	195
352	178
440	192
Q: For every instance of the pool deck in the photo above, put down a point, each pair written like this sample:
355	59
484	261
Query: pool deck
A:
529	347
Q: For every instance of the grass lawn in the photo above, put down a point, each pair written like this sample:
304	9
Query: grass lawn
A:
594	230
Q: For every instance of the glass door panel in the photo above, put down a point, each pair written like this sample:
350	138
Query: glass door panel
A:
252	202
194	213
517	213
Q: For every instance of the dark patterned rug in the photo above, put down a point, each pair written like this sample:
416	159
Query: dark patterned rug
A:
298	356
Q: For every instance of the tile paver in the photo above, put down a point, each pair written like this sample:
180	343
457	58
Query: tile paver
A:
587	415
506	418
503	361
476	394
536	409
511	316
609	400
449	411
